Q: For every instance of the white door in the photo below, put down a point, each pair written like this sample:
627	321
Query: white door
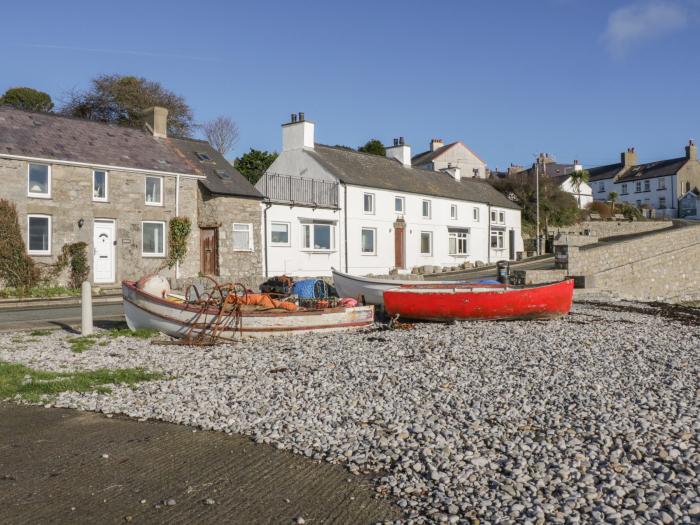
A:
104	246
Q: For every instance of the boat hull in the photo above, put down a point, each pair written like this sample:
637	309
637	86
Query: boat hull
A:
479	302
178	319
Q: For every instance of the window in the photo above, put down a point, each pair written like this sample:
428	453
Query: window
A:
639	203
39	234
369	241
279	233
154	191
99	186
502	217
458	241
497	239
242	237
426	209
662	203
476	214
202	156
647	185
662	183
601	187
39	181
369	202
318	236
624	189
153	239
426	243
453	212
399	204
638	186
493	216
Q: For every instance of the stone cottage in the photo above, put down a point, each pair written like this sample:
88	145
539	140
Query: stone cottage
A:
117	189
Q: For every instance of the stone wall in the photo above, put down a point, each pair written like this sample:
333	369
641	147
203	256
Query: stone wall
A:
71	200
602	229
222	211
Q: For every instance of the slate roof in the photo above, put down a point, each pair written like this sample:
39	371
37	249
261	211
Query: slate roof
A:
603	172
426	157
49	136
222	177
373	171
660	168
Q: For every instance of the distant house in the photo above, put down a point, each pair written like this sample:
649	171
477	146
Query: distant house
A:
117	188
689	205
333	207
656	186
455	155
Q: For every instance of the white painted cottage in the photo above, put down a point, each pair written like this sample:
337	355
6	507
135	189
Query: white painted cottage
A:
365	214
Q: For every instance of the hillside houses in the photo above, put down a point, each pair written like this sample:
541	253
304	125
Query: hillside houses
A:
365	214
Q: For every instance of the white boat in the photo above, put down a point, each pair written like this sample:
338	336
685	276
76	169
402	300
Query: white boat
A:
372	289
181	319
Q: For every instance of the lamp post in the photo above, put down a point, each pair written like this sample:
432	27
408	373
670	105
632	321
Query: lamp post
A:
537	199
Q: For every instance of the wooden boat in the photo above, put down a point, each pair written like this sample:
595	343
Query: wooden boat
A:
180	319
372	289
429	302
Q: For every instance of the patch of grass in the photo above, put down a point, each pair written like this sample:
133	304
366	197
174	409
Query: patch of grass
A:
33	385
39	291
39	333
82	343
141	333
16	339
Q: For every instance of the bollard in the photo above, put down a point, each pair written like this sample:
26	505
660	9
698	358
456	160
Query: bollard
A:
86	303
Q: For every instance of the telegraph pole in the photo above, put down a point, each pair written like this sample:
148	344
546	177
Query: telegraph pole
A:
537	196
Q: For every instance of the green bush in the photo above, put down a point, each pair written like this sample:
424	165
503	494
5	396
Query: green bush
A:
180	228
17	269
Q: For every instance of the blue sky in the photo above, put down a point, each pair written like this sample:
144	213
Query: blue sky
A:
580	79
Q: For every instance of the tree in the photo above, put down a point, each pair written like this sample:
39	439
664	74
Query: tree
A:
17	269
254	164
579	178
27	99
374	147
613	199
222	133
121	100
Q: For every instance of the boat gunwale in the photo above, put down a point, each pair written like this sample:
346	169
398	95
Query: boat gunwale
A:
475	288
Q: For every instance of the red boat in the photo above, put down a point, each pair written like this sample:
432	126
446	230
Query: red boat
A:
479	302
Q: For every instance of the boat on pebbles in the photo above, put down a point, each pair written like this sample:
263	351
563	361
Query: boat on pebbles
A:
229	313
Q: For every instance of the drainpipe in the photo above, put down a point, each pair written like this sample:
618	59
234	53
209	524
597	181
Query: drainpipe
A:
345	224
177	214
488	235
267	207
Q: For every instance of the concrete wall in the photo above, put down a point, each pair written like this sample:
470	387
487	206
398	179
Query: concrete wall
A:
71	200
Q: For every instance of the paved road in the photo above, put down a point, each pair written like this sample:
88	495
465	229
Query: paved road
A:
52	470
539	264
52	317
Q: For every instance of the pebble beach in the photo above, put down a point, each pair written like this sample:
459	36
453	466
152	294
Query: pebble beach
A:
591	418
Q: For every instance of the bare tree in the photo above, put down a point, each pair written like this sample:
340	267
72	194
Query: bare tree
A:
222	133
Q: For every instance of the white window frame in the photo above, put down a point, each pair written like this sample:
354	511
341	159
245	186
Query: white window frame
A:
647	185
374	241
501	217
311	225
289	234
372	201
624	189
403	205
50	221
155	254
601	187
456	235
145	192
420	247
638	186
453	212
48	176
249	228
662	203
476	215
500	240
662	183
493	215
106	197
430	208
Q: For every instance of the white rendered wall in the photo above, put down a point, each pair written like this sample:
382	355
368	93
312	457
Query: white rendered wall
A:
651	197
583	196
463	158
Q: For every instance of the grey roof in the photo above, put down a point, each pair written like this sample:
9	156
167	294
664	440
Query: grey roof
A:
222	177
55	137
660	168
373	171
603	172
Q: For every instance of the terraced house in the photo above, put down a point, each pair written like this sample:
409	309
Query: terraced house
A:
117	189
360	213
656	187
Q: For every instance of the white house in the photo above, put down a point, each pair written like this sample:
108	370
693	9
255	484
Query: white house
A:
455	155
655	185
360	213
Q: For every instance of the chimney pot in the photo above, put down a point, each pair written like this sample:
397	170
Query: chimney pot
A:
293	118
156	121
401	140
301	116
691	150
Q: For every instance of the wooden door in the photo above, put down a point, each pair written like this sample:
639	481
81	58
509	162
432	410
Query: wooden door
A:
398	247
209	249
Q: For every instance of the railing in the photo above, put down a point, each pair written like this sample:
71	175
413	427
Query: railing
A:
290	189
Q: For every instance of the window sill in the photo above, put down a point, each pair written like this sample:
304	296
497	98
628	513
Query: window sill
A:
153	255
39	254
244	250
100	200
38	196
280	245
319	251
155	204
369	254
459	255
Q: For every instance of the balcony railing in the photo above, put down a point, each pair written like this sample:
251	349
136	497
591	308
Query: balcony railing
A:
289	189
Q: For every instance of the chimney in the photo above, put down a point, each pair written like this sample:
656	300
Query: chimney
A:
400	151
691	151
628	158
298	133
455	172
436	144
156	121
578	166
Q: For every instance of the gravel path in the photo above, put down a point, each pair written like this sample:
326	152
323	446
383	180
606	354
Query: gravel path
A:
593	418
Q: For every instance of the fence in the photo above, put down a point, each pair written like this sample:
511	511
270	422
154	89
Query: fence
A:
290	189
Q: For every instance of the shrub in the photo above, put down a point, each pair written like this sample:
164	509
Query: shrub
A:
79	268
180	228
600	208
17	269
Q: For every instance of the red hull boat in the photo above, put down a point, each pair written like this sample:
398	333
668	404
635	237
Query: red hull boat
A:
479	302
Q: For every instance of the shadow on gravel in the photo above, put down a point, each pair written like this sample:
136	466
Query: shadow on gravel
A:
683	314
